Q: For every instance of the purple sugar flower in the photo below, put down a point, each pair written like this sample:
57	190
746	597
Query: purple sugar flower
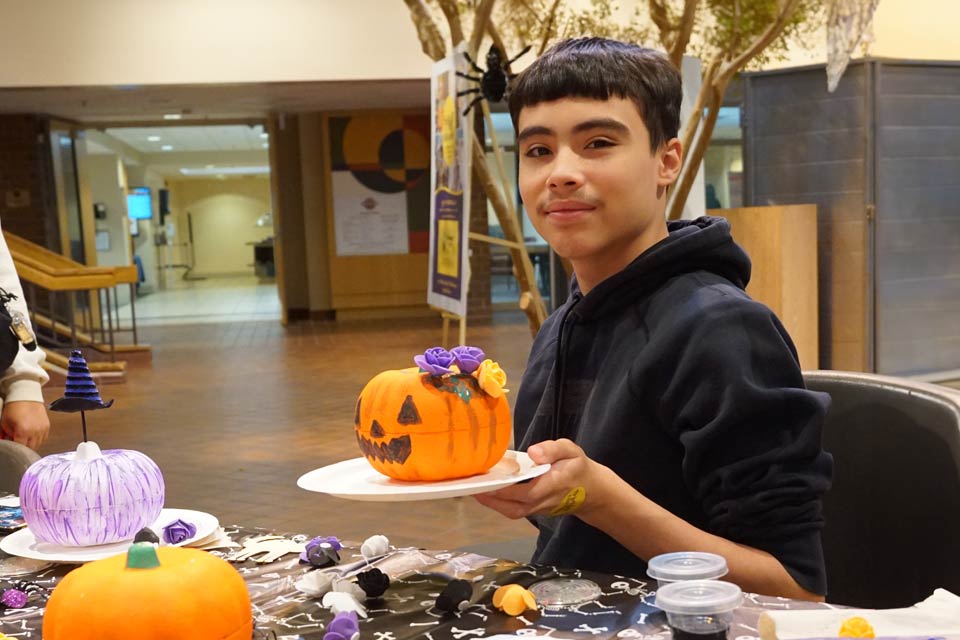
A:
178	531
468	358
315	548
344	626
436	361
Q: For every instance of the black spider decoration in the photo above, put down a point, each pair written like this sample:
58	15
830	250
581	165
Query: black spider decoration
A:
493	81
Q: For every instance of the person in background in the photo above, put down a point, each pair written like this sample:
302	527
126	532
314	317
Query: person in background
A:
713	202
23	415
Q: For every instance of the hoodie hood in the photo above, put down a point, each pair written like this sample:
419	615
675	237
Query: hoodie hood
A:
703	244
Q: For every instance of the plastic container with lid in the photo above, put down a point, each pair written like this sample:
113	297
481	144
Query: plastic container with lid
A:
686	565
699	609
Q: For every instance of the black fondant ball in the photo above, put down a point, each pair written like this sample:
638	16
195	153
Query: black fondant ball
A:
454	596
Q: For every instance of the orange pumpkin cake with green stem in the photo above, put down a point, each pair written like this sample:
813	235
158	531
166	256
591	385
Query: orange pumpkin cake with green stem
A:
446	418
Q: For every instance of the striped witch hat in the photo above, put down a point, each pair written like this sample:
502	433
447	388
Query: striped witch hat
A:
81	393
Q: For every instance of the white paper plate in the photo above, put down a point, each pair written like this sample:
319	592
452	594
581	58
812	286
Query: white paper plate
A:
357	480
23	543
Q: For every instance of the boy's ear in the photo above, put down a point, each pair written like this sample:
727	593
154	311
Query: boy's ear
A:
670	162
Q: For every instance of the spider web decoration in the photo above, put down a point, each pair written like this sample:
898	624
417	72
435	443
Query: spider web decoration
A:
848	24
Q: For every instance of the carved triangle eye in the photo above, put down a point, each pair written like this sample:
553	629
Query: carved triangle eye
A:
408	412
376	431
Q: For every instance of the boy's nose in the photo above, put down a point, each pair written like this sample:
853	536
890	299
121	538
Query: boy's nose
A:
565	173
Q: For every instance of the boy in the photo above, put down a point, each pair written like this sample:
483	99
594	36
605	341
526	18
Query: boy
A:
670	405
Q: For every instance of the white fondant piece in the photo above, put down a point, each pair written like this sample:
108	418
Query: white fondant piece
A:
338	602
342	585
314	583
374	546
87	451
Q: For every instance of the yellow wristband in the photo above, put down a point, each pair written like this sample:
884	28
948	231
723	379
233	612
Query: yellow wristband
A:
571	502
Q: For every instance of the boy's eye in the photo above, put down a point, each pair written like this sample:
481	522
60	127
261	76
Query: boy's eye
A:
600	143
537	151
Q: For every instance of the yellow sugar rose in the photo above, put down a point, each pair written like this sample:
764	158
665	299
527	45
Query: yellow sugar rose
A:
513	599
491	378
856	627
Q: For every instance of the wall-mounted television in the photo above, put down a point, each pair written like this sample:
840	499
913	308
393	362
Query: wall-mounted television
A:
139	203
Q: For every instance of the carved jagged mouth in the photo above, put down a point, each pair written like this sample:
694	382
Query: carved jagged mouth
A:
396	450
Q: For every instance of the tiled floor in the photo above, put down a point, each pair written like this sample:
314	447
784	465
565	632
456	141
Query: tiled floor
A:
213	300
235	412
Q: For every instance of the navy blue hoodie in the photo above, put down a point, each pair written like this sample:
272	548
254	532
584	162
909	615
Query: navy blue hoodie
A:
668	373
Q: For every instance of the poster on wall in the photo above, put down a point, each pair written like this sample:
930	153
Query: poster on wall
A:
379	167
449	273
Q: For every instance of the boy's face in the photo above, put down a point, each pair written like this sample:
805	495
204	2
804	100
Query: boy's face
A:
591	185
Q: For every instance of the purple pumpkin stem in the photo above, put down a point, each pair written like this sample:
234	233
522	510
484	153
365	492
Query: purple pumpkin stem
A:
83	420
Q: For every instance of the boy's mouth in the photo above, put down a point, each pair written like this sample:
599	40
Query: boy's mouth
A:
567	207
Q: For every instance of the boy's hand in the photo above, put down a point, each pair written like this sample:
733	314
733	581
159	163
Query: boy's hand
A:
25	422
569	486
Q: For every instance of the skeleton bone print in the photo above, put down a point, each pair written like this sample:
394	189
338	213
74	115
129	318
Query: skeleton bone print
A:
406	610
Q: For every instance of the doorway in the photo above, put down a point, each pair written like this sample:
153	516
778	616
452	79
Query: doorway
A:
194	213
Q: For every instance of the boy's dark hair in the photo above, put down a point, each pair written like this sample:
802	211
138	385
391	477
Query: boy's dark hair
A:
600	68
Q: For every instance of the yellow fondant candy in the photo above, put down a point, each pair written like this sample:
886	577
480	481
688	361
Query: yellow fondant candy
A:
856	627
513	599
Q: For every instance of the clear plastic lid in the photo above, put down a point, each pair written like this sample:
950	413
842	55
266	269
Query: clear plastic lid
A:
699	597
686	565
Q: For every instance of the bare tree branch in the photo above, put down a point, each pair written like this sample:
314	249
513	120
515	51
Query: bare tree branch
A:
480	20
535	309
452	14
696	114
684	32
431	40
692	165
770	34
548	27
661	17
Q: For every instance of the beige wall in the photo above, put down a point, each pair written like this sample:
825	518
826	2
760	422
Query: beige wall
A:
105	187
224	216
184	41
106	42
910	29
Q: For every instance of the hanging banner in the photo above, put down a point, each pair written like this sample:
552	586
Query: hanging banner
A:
449	274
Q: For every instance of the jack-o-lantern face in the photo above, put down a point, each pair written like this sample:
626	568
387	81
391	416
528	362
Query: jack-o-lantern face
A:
413	426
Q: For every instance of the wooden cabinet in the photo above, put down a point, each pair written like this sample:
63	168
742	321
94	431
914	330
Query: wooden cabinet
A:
782	244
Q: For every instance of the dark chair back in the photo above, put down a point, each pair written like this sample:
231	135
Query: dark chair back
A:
892	532
14	460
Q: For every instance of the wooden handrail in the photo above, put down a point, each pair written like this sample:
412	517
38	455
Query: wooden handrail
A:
55	272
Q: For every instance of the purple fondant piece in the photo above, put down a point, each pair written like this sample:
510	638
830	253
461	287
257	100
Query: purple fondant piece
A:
344	625
436	361
332	541
73	502
178	531
81	392
468	358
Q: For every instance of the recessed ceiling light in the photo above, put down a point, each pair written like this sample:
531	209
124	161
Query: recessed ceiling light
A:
172	116
167	147
225	171
153	138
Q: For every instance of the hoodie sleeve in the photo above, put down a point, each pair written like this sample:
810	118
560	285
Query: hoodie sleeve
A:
751	434
22	381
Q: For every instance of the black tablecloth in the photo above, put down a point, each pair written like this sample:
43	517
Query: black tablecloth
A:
406	610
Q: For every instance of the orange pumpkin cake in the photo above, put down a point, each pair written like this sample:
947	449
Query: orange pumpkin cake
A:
446	418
